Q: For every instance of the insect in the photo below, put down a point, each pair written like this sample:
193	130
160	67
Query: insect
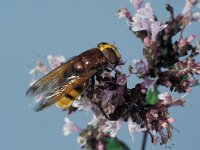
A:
65	83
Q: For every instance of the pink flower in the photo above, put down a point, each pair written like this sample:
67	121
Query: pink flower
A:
191	38
109	108
40	68
182	43
101	146
134	127
111	127
156	27
166	123
136	3
188	6
171	120
147	41
142	19
122	80
168	100
124	13
189	66
148	82
106	95
55	61
140	67
94	121
83	104
146	12
139	24
195	67
195	17
69	127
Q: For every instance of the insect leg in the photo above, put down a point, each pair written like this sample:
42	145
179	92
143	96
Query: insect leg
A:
103	112
101	109
97	103
91	88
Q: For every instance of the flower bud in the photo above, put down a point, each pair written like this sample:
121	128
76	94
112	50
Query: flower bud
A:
182	43
191	38
147	41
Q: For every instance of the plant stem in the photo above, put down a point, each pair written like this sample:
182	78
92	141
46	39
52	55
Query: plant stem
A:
144	141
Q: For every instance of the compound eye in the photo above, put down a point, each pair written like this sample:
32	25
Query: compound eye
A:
110	55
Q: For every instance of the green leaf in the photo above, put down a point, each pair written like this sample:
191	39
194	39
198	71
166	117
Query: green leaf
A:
152	96
115	144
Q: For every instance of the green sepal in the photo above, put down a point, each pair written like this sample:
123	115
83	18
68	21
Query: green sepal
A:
152	96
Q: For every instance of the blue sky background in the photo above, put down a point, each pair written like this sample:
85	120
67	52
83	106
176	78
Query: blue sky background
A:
31	29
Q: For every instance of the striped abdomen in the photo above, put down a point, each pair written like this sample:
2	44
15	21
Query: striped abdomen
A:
68	99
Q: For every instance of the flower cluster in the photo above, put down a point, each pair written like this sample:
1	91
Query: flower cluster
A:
94	138
167	62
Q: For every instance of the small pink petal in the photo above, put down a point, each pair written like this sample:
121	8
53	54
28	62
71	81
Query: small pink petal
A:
189	89
164	124
195	17
156	27
55	61
69	127
147	41
167	83
191	38
136	3
124	13
171	120
188	6
182	43
101	146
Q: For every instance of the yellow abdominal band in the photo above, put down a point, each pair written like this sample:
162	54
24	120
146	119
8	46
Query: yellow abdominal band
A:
67	100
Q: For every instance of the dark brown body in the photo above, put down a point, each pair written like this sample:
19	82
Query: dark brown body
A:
66	82
88	60
92	59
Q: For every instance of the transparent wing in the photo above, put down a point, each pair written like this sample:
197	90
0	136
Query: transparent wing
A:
52	80
57	93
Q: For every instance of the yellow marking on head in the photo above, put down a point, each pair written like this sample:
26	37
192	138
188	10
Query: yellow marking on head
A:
104	46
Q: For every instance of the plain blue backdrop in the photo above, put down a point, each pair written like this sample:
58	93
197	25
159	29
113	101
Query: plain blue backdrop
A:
31	29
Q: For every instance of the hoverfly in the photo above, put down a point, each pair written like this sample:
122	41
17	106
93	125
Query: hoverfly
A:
65	83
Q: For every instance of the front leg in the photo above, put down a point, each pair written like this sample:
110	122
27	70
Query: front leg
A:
101	109
91	88
97	103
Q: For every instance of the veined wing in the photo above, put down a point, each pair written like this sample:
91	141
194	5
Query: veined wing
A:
52	80
53	96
